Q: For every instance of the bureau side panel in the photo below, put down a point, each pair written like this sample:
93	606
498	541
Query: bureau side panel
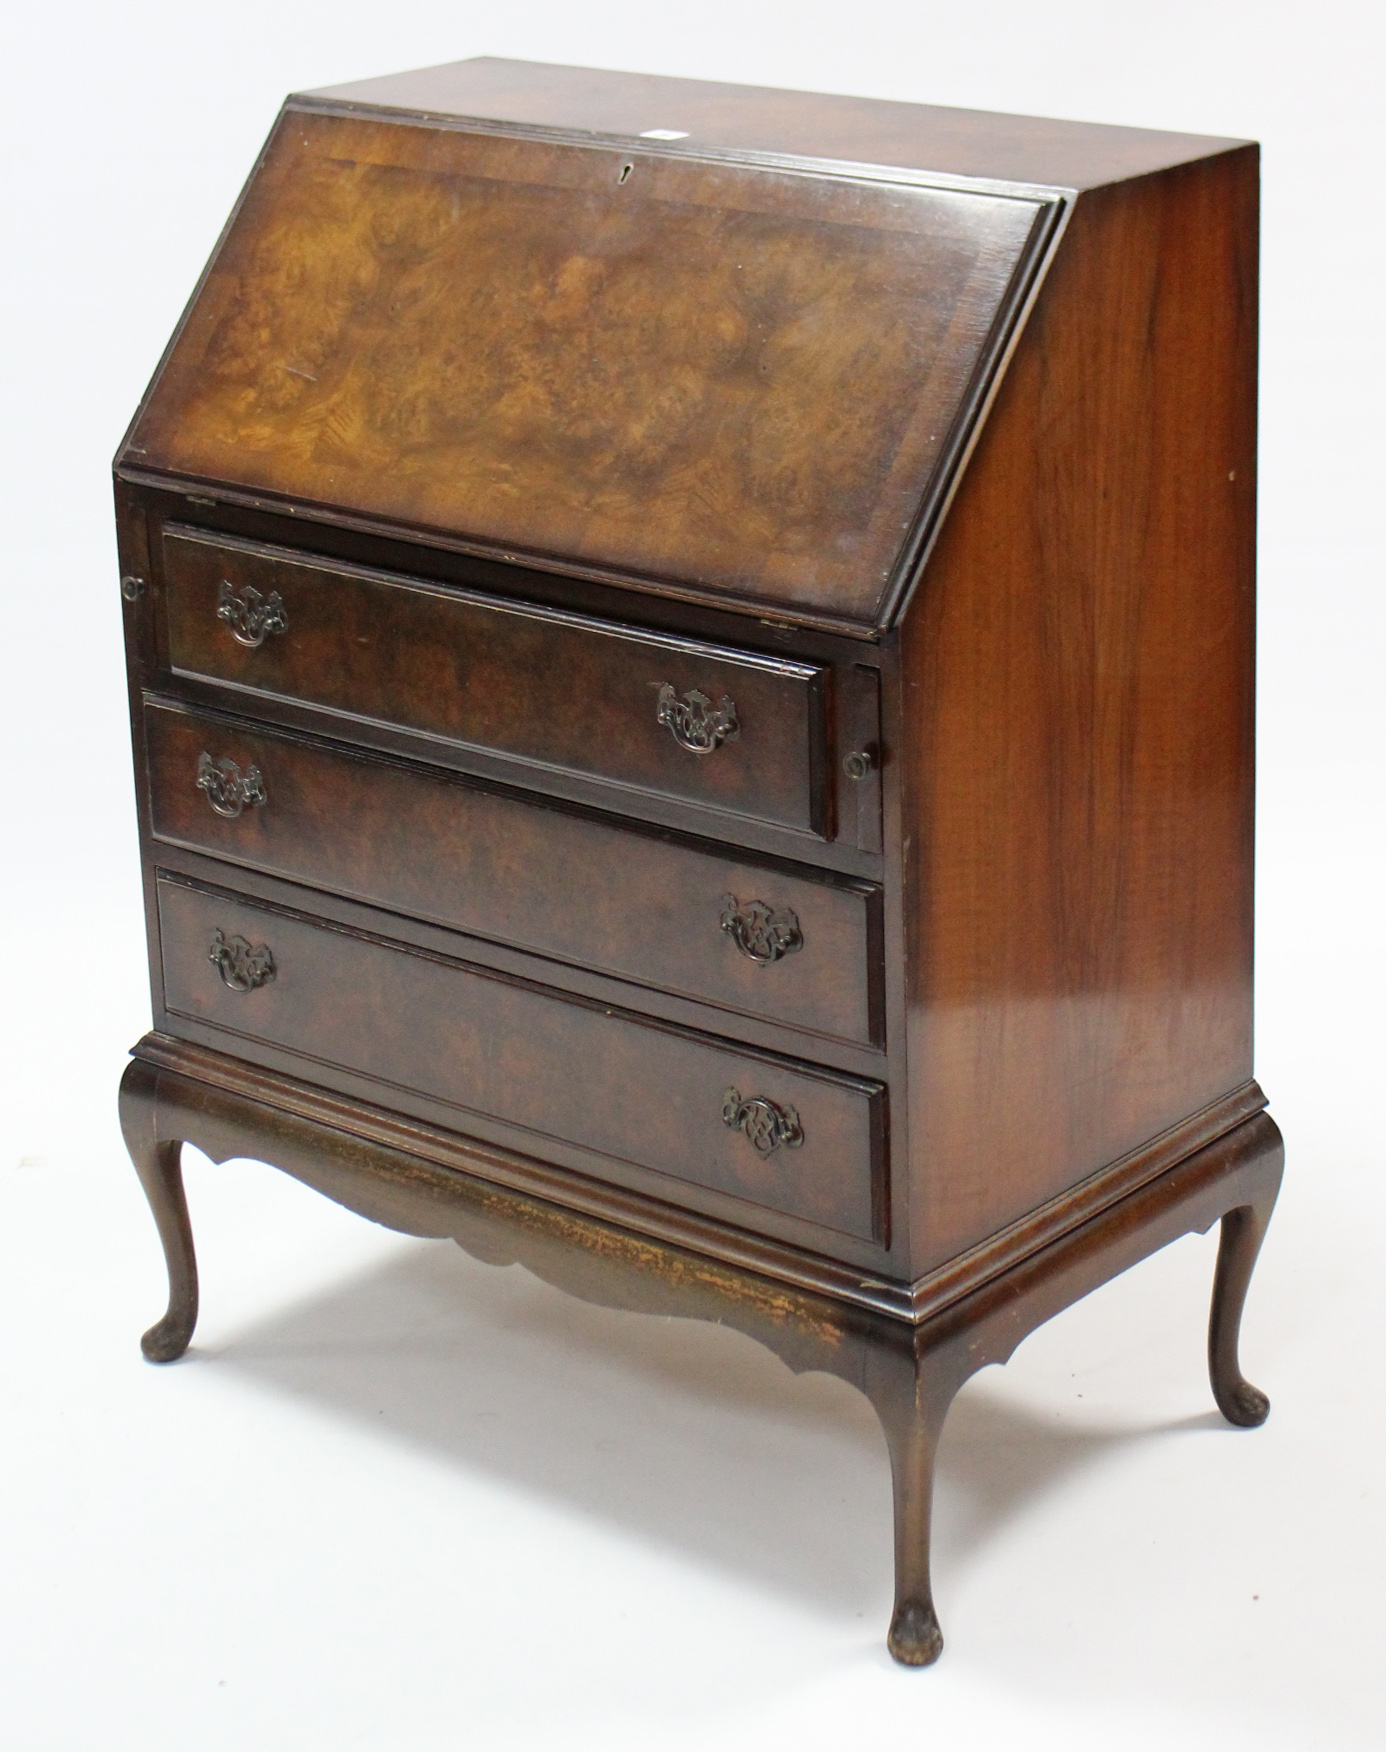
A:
1078	722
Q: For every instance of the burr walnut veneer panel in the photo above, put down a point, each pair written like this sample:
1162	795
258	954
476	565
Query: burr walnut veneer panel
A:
741	379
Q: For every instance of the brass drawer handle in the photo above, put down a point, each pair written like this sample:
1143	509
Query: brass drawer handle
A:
241	966
762	933
249	615
227	788
764	1122
693	722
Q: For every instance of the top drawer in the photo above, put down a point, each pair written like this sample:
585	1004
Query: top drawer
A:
727	729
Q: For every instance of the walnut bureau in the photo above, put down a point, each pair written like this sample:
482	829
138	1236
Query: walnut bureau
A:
691	668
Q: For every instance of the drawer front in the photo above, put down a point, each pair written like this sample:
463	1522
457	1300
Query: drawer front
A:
726	729
741	935
787	1138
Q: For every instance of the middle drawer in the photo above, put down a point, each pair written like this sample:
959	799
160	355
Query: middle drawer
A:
746	936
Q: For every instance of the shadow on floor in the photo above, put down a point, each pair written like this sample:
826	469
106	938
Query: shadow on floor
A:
677	1432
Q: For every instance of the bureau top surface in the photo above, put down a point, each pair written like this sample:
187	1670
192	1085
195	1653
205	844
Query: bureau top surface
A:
456	304
754	118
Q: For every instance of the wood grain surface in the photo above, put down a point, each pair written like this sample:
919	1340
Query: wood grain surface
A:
552	1067
571	885
555	690
1078	721
740	378
756	118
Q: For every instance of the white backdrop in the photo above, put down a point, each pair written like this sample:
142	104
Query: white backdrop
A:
395	1499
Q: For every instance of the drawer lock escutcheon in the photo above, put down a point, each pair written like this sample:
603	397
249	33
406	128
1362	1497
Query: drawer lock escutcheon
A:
694	722
861	762
250	615
765	1123
227	788
242	966
762	933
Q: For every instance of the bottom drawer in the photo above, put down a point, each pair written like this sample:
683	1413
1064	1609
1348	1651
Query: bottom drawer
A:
786	1137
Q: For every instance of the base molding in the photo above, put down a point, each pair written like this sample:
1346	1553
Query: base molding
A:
1088	1198
661	1223
615	1265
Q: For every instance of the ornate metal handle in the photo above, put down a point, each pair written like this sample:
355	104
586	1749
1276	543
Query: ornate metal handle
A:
249	615
242	967
764	1122
760	932
693	722
228	789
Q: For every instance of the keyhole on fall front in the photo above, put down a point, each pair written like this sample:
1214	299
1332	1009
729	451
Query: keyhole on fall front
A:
626	169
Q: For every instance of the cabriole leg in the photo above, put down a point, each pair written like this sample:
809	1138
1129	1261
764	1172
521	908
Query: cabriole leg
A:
912	1399
157	1162
1243	1230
